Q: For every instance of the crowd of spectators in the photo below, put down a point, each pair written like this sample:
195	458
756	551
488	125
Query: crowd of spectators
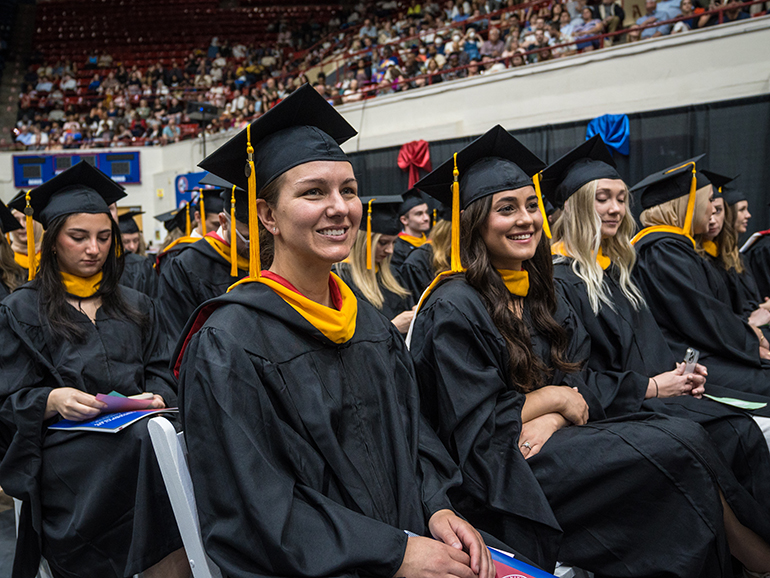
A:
381	47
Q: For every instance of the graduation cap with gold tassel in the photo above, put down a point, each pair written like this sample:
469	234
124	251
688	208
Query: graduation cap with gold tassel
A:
494	162
300	129
672	183
80	189
381	217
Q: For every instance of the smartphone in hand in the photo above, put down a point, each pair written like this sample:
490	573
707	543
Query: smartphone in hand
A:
690	360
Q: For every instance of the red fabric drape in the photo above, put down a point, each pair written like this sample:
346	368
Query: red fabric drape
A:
413	156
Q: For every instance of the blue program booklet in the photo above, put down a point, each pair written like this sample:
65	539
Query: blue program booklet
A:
109	422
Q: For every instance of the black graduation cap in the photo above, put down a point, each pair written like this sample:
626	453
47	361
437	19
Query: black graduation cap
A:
384	214
494	162
669	184
412	198
720	181
174	219
80	189
212	200
300	129
241	204
215	181
588	162
733	196
127	223
8	222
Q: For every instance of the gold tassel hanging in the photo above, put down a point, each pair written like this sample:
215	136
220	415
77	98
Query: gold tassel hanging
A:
233	238
254	264
369	237
435	212
31	255
456	265
202	213
187	224
687	229
541	205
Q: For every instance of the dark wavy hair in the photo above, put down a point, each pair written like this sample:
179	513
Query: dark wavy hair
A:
53	309
527	370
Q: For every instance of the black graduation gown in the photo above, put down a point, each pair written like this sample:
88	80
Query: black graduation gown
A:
692	307
139	274
416	272
627	348
321	447
196	273
401	250
758	260
594	483
392	304
4	291
97	501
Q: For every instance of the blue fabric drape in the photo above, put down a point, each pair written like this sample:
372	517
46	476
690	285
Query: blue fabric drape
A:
614	130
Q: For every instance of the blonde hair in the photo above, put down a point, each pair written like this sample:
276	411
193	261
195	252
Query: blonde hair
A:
11	273
368	281
579	229
173	235
441	242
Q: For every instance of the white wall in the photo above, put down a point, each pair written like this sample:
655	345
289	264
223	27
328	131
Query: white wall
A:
721	63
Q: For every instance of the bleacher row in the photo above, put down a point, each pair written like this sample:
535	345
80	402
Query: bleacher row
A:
143	31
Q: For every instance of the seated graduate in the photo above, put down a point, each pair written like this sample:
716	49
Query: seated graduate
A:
174	223
19	239
415	221
181	233
686	295
592	268
367	270
94	501
720	245
496	354
424	263
307	450
756	250
205	269
138	272
12	275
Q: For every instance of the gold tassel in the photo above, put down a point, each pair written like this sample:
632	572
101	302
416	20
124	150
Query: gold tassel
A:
435	212
233	238
541	205
254	264
202	213
31	255
456	265
690	199
187	224
369	237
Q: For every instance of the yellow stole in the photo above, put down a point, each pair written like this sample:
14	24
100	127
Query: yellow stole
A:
23	260
661	229
337	326
711	248
83	287
517	282
180	241
414	241
601	259
224	251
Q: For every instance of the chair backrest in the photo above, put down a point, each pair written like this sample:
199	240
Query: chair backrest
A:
171	451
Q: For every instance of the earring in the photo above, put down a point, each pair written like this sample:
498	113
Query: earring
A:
273	229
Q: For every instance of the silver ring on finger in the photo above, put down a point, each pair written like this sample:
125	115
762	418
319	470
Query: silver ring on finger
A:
526	445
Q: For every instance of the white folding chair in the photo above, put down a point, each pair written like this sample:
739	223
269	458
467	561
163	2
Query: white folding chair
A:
171	451
44	571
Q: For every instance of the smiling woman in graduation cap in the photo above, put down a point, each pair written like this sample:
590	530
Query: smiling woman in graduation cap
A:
496	352
367	270
11	273
95	502
686	295
299	403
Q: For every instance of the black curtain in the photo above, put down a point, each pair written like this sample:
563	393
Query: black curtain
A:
734	134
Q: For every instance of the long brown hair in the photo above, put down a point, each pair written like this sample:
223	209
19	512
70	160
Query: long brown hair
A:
11	273
53	308
727	241
528	371
441	242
